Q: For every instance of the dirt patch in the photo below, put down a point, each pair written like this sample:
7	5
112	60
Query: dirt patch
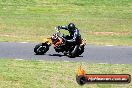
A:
2	26
7	35
109	33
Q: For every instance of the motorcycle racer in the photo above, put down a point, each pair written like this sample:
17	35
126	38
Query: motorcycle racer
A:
74	37
70	45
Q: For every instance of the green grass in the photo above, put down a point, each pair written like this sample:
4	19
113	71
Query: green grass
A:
28	20
55	74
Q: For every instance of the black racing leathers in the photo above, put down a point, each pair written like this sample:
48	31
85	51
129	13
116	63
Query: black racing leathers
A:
74	35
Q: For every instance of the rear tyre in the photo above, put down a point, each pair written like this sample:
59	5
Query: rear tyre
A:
41	48
75	52
81	50
65	53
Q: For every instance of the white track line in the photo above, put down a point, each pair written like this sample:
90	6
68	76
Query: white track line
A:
66	61
19	59
24	42
40	60
109	45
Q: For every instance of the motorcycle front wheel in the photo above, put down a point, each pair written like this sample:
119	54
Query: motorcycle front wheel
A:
41	48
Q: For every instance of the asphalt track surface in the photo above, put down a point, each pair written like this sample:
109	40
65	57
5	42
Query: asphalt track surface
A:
92	54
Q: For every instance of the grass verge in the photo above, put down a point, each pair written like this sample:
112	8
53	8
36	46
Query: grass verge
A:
28	20
55	74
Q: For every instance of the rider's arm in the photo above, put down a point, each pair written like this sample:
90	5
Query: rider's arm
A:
71	40
63	27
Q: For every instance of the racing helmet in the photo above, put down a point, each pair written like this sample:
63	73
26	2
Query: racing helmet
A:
71	26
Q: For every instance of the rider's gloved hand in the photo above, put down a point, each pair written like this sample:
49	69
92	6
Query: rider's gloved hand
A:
59	27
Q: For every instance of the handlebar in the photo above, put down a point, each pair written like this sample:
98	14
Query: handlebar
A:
57	31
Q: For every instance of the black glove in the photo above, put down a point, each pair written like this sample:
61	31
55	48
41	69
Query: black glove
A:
59	27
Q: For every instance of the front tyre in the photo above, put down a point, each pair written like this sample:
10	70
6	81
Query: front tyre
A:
41	49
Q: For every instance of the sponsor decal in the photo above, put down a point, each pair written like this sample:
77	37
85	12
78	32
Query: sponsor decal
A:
83	78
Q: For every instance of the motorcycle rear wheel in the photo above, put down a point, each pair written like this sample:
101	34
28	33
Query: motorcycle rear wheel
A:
81	50
75	52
